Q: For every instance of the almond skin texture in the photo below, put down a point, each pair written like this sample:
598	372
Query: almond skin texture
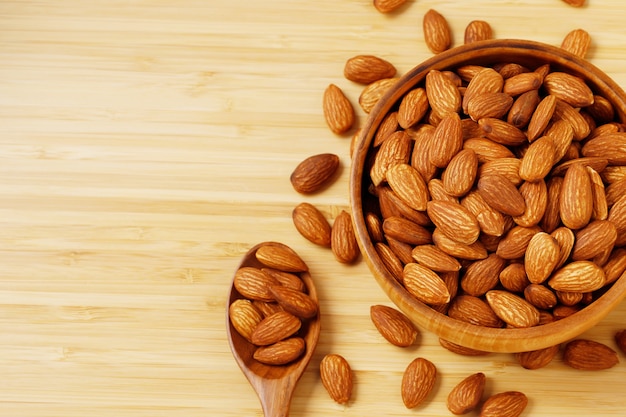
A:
437	34
343	240
576	198
512	309
396	149
314	173
244	317
311	224
593	239
413	107
254	284
457	222
409	185
569	88
542	256
443	94
388	6
418	381
477	30
466	395
589	355
434	258
448	136
577	42
460	174
282	257
537	358
338	110
275	328
394	326
372	93
425	285
504	404
280	353
295	302
620	340
336	376
365	69
501	194
578	276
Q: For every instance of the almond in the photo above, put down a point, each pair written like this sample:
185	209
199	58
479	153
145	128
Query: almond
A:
373	92
589	355
466	395
502	132
244	317
413	107
392	205
523	108
275	328
576	199
491	221
374	226
514	277
254	284
314	173
288	279
617	215
388	126
482	275
571	89
575	3
420	159
437	34
540	296
396	149
280	256
494	105
473	310
280	353
507	167
387	6
504	404
501	194
601	110
343	239
391	261
434	258
295	302
522	83
565	238
537	358
448	136
461	350
336	376
515	242
609	146
566	112
459	250
541	258
578	276
393	325
620	340
444	96
425	285
459	176
418	381
541	117
365	69
512	309
535	196
454	220
477	30
562	134
551	217
338	110
538	159
577	42
406	231
615	266
438	192
593	239
266	308
311	224
408	185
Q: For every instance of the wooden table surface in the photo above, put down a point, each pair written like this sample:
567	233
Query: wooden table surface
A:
146	145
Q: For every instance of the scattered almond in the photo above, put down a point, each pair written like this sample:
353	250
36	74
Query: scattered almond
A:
589	355
437	34
336	376
393	325
467	394
504	404
418	381
314	172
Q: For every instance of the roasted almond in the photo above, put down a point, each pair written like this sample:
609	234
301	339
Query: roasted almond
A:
418	381
280	353
578	276
393	325
413	107
467	394
541	257
487	80
589	355
437	33
504	404
537	358
540	296
512	309
373	92
501	194
459	176
343	239
280	256
406	231
314	173
535	196
482	275
254	283
295	302
311	224
275	328
595	238
244	317
434	258
444	96
388	6
448	136
459	250
425	285
396	149
494	105
477	30
409	185
336	376
576	198
577	41
338	110
569	88
473	310
515	242
365	69
457	222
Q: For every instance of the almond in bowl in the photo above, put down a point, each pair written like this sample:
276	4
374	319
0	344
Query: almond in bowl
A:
513	166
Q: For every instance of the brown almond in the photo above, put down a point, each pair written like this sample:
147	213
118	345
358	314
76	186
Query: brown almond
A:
437	33
338	110
254	283
420	159
392	205
620	340
576	199
486	80
311	224
336	376
418	381
459	176
484	105
448	136
600	205
577	42
459	250
482	275
425	285
589	355
537	359
413	107
562	134
408	185
565	238
365	69
541	117
460	349
609	146
567	87
502	132
438	191
343	239
541	257
275	328
467	394
515	242
514	277
575	3
504	404
391	261
477	30
244	317
373	92
280	256
295	302
578	276
280	353
536	198
388	126
540	296
507	167
388	6
522	83
601	110
396	149
615	266
454	220
314	173
287	279
565	111
434	258
617	215
444	96
374	226
523	108
512	309
491	221
593	239
551	217
473	310
501	194
393	325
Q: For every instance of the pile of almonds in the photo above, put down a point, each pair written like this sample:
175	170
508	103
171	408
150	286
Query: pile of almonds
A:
498	198
274	304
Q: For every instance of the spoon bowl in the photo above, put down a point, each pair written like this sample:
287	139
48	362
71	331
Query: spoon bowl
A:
274	384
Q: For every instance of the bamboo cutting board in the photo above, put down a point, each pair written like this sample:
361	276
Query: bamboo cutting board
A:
146	145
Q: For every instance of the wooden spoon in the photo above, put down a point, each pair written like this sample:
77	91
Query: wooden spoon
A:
273	384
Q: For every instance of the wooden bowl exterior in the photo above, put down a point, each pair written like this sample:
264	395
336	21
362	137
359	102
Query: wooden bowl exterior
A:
482	338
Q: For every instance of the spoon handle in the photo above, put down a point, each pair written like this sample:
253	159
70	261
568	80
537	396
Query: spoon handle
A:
275	396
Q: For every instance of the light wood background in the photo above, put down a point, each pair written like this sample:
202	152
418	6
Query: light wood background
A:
146	145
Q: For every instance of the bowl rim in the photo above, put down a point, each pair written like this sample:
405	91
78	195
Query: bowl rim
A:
456	331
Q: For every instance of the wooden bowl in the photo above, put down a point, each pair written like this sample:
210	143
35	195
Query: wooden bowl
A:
528	53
